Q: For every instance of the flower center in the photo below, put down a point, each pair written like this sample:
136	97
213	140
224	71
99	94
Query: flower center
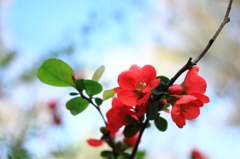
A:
139	86
184	107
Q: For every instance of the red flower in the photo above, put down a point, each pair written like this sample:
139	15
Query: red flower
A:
136	85
195	154
54	112
95	142
117	117
187	107
132	140
195	85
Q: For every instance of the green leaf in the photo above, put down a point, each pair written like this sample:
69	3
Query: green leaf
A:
80	85
140	154
98	73
123	155
98	101
73	94
108	94
55	72
103	130
161	123
77	105
106	153
130	130
164	79
92	87
105	136
148	125
156	91
152	111
131	120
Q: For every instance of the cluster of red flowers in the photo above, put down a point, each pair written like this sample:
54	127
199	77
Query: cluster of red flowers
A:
190	96
135	92
54	112
135	86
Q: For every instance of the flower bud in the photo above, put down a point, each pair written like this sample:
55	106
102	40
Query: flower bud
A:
175	89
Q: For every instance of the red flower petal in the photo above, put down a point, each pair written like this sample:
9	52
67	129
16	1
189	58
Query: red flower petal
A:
116	89
192	112
177	116
94	142
148	74
194	83
201	97
185	99
136	69
127	97
128	79
132	140
154	84
144	99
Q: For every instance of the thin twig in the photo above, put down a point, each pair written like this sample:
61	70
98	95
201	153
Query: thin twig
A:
111	142
190	63
225	21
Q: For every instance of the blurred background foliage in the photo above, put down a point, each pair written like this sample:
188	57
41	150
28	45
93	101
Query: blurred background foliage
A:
164	33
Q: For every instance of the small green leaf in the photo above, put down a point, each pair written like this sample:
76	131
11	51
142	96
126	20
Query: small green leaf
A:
108	94
98	101
140	154
148	125
152	111
156	91
77	105
103	130
80	85
92	87
131	120
73	94
123	155
105	136
55	72
164	79
98	73
161	123
106	153
130	130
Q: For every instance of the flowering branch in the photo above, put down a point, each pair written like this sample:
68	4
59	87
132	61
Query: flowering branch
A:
141	93
189	65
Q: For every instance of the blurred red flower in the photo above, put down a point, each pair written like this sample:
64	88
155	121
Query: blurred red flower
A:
95	142
117	117
195	154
